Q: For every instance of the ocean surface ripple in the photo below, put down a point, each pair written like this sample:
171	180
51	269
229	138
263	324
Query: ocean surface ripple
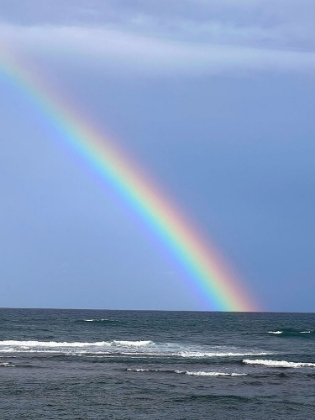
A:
85	364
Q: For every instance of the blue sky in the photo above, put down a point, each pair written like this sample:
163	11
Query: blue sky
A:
214	99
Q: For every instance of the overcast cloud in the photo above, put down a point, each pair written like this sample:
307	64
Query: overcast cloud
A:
159	37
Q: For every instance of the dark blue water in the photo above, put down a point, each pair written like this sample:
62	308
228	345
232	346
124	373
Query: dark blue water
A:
82	364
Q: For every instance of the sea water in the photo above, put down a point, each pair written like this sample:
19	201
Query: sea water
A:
86	364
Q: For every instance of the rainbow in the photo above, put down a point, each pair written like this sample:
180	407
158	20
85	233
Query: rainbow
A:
199	260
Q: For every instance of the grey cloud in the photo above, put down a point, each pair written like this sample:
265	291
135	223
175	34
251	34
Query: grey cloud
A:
127	52
261	23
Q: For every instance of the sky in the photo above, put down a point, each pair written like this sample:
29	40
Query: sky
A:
215	100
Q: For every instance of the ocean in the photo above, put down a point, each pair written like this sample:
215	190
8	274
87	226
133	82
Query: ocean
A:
101	364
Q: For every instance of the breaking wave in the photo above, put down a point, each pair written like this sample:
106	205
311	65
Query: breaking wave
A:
132	343
293	332
53	346
6	364
185	372
104	320
123	348
201	355
202	373
277	363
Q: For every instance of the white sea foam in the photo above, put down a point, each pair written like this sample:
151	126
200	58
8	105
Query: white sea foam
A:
120	347
277	363
100	320
132	343
49	344
294	332
189	373
129	348
53	344
202	373
192	354
5	364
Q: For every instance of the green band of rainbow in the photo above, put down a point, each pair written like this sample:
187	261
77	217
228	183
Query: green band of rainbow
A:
200	261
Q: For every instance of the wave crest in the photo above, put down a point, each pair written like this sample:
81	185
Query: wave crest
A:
135	348
139	343
293	332
185	372
6	364
278	363
202	373
99	320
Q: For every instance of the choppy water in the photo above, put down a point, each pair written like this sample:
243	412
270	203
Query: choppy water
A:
82	364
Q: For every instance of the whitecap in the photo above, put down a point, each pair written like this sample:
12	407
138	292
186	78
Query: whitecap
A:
49	344
79	348
192	354
189	373
215	374
131	348
6	364
100	320
139	343
275	332
278	363
52	344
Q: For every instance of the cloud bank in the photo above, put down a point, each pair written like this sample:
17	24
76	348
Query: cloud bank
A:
159	37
